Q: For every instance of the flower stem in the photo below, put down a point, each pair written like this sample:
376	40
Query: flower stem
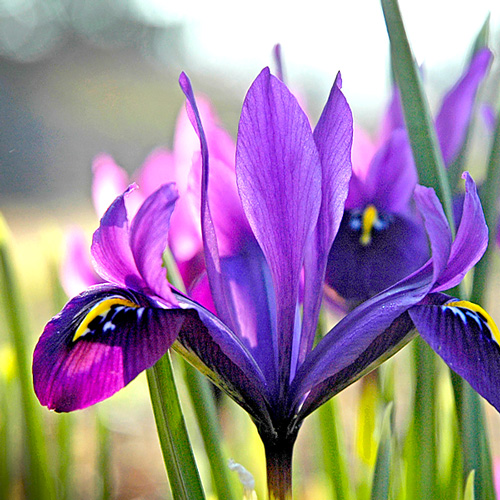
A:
279	468
174	440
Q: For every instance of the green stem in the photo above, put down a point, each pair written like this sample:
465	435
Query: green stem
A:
178	456
206	413
203	403
39	480
422	468
334	453
104	459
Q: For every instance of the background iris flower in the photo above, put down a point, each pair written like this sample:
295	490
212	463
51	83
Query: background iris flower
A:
382	238
258	347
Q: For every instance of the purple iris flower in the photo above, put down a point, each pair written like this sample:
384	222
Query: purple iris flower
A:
382	237
259	347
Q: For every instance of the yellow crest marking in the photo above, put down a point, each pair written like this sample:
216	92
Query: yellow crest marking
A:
100	309
370	218
478	309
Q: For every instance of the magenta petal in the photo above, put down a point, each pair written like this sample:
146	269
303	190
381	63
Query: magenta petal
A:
471	240
77	272
149	237
109	181
466	340
70	374
455	114
218	286
278	173
110	249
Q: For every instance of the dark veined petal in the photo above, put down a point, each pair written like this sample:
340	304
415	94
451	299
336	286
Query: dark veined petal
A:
111	253
358	271
149	237
467	339
278	173
99	342
454	117
333	137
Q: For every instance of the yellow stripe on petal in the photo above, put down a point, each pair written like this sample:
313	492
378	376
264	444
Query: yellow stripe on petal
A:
100	309
465	304
370	218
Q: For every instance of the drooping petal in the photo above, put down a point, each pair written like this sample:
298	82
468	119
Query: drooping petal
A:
278	174
392	176
218	353
98	343
357	272
149	237
467	339
110	249
455	113
345	349
471	240
77	272
333	138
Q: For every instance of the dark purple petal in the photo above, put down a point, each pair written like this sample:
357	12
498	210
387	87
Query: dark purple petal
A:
357	272
392	175
110	249
333	138
467	339
278	174
382	346
98	343
218	353
455	114
149	237
471	240
210	247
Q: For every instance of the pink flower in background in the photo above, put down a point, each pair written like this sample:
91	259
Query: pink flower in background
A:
182	166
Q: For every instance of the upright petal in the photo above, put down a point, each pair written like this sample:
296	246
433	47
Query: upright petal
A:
111	253
100	341
455	113
471	240
333	137
392	176
149	237
278	173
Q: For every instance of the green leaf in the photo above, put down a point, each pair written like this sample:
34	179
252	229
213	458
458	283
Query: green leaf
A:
421	132
469	487
382	473
40	482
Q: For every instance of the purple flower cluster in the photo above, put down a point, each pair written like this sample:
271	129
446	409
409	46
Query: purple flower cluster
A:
267	248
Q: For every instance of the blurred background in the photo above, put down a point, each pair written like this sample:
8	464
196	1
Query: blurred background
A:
79	77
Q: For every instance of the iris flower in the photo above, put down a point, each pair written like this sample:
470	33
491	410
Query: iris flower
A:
382	237
258	347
